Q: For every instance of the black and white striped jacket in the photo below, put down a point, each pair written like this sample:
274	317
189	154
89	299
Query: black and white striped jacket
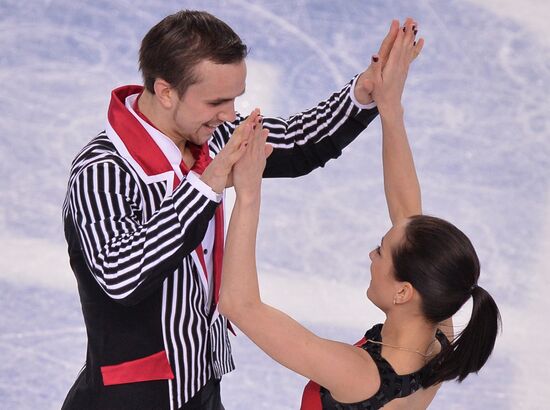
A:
132	240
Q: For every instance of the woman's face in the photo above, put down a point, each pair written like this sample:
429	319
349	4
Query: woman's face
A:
383	285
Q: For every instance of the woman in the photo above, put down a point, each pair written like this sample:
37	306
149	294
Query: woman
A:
424	270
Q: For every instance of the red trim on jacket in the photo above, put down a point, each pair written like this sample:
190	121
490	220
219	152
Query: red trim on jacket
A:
218	254
137	140
154	367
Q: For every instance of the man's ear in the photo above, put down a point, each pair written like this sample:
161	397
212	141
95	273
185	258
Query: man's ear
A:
164	93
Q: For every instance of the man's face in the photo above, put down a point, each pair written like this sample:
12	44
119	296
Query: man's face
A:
209	102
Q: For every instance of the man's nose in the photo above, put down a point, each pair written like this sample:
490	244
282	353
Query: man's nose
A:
228	113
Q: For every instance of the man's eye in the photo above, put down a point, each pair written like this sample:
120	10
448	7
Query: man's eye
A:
378	250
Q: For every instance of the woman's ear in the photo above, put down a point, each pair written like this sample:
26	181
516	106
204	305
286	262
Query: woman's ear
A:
405	293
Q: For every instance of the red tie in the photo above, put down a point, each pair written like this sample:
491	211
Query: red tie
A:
202	159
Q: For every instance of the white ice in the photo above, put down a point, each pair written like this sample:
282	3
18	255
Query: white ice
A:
477	109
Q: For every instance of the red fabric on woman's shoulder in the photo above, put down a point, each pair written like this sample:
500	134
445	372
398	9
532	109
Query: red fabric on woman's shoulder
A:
311	398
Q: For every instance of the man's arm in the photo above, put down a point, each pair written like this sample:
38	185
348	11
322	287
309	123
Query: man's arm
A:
307	140
128	257
310	139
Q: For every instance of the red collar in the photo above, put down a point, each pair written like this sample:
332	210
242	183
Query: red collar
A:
200	153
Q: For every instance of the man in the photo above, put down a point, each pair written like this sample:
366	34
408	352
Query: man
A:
144	220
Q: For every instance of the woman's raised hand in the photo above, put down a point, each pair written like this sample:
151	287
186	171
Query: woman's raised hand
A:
218	175
248	170
390	81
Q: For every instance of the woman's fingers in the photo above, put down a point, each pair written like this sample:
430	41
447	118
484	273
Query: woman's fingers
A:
260	136
411	28
402	42
417	48
409	47
407	34
255	149
236	146
242	132
249	169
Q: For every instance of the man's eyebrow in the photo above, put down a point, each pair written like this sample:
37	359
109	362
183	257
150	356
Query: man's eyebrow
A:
222	100
382	242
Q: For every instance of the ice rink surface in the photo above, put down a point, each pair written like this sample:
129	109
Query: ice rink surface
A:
477	107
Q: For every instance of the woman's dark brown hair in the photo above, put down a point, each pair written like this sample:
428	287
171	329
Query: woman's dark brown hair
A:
441	264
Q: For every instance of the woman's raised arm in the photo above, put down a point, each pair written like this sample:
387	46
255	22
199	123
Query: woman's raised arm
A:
339	367
400	181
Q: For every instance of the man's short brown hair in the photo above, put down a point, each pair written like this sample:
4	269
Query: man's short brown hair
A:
174	46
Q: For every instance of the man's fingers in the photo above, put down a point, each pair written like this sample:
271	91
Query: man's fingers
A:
265	134
376	65
258	147
367	84
236	146
241	134
268	150
259	139
258	127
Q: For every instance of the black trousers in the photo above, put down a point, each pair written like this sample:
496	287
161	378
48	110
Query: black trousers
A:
81	397
207	398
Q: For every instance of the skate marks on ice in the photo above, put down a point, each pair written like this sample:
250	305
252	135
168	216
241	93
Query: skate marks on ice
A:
476	109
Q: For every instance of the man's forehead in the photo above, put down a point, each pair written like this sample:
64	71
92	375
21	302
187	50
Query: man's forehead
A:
208	71
220	80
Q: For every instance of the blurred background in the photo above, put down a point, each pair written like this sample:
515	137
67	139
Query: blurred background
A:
477	105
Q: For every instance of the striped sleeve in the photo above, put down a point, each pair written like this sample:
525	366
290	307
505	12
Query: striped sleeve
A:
310	139
128	257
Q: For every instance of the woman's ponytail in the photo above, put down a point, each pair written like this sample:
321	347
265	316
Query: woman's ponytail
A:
468	352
